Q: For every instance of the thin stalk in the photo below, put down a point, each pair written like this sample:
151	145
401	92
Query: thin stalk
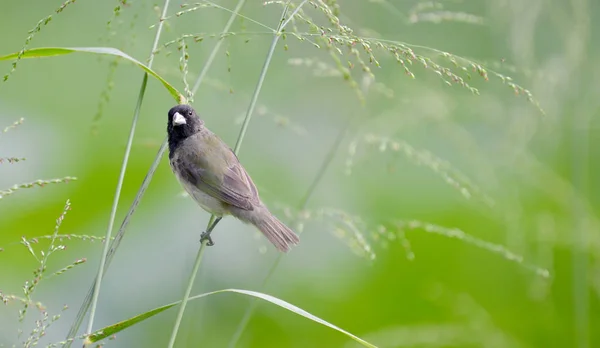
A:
121	233
116	242
236	149
188	291
261	79
301	206
115	204
213	54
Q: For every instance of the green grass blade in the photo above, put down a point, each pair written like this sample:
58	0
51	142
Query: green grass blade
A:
59	51
122	325
115	328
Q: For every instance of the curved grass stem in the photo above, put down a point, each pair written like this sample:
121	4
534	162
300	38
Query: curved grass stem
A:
120	234
113	213
115	243
301	206
261	78
188	290
215	50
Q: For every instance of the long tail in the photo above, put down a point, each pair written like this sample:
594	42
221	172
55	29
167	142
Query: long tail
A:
276	232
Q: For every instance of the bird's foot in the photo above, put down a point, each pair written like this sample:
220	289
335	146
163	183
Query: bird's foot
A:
206	236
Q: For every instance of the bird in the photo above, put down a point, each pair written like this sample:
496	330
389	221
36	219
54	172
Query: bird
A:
211	173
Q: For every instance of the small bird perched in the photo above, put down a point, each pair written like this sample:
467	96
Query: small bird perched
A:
212	174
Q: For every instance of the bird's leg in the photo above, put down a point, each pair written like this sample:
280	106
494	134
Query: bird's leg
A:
206	234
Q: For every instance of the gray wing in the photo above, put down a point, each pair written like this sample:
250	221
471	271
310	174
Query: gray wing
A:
223	177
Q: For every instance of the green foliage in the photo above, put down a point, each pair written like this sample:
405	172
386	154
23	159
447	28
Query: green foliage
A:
108	331
344	90
59	51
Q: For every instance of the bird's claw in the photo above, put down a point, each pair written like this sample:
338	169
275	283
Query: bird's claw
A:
206	236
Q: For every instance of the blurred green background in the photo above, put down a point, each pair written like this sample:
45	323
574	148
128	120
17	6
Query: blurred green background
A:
538	193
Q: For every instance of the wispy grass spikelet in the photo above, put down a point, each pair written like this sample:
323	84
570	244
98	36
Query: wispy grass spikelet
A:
44	21
105	94
183	68
340	40
68	267
41	327
341	36
468	66
38	274
11	160
446	16
115	14
59	237
360	235
319	68
435	12
7	299
444	169
114	63
459	234
62	237
350	229
279	119
14	125
39	183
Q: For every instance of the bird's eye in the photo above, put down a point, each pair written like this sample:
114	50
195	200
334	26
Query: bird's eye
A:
190	113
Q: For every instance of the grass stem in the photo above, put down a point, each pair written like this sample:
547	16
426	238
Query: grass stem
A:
301	206
238	144
113	213
188	290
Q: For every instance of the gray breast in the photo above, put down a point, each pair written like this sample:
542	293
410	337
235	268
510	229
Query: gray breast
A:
206	201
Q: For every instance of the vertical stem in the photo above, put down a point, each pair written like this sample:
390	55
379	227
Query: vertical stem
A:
115	204
116	242
121	233
261	79
213	54
302	205
188	290
236	149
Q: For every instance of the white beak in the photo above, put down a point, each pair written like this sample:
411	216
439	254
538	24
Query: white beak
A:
178	119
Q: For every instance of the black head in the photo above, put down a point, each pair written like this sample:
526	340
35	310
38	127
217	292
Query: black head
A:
183	122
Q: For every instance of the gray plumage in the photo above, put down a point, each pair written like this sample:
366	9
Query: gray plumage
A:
212	175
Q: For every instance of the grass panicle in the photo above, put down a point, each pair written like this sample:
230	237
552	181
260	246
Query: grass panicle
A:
117	10
352	230
183	68
37	183
11	160
40	273
357	233
339	39
452	176
42	259
279	119
455	233
436	12
106	39
438	17
60	238
104	98
42	22
14	125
